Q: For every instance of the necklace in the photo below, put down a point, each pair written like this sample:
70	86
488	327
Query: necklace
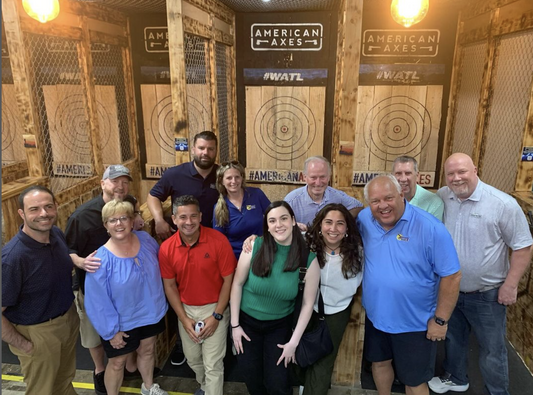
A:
331	248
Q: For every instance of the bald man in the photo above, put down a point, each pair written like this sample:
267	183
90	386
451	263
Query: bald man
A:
410	286
484	223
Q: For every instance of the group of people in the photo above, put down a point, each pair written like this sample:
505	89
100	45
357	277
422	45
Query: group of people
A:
433	267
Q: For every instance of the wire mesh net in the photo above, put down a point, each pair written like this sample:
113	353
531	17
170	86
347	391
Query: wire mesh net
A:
224	99
112	108
61	109
198	86
468	95
511	89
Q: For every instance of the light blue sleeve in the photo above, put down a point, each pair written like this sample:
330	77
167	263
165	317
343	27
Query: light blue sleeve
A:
98	300
349	202
444	256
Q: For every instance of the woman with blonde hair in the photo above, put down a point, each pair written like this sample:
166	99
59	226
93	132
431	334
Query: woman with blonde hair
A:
239	210
124	298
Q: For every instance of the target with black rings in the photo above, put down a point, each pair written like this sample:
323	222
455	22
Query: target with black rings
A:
70	118
284	128
9	126
162	115
398	125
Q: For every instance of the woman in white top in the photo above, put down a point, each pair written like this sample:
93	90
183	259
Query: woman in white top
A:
335	239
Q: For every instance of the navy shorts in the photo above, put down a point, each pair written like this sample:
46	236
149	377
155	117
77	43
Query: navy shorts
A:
134	340
412	353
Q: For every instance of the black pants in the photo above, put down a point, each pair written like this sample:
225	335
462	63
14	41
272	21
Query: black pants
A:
258	361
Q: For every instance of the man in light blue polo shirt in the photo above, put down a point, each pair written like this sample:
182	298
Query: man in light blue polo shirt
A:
410	286
484	223
307	201
405	169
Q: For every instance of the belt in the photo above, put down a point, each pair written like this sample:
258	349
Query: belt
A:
57	316
479	291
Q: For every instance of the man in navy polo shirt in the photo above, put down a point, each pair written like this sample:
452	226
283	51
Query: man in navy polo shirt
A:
410	286
196	178
39	319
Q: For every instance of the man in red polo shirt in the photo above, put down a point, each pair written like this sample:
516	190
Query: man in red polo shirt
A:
197	265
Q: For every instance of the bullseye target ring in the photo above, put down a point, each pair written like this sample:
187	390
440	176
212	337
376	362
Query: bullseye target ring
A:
8	126
398	125
284	128
70	117
162	123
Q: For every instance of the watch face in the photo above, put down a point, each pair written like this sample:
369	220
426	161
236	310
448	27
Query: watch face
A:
440	321
218	316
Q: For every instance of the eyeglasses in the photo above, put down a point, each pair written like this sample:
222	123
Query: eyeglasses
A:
122	220
232	162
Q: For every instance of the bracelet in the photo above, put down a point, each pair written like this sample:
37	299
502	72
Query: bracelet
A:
236	326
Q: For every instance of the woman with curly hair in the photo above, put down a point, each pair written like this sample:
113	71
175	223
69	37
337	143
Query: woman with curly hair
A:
239	209
335	239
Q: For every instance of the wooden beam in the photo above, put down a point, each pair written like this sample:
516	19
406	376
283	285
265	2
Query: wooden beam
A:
22	79
211	61
232	100
220	10
484	107
129	88
223	37
197	28
87	81
63	31
346	87
104	38
449	132
95	11
524	175
178	81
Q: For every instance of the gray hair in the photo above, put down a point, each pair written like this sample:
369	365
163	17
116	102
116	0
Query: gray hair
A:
316	158
405	159
392	179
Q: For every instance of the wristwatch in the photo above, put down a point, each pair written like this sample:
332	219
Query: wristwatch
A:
217	316
440	321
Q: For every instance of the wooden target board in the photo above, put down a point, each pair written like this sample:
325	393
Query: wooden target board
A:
12	130
69	130
159	122
394	121
284	126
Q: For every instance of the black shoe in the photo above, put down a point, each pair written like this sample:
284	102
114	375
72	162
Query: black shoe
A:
177	358
136	375
99	385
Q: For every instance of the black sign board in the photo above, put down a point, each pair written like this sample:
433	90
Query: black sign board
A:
156	39
287	36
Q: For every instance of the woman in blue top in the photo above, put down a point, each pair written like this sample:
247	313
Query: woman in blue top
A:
124	298
239	210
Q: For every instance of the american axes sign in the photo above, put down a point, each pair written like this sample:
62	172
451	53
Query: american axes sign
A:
426	179
287	36
420	43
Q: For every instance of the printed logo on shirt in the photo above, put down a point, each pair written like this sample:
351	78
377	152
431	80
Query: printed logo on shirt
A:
475	215
250	207
206	255
399	237
213	186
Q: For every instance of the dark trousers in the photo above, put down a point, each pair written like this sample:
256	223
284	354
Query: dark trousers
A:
261	353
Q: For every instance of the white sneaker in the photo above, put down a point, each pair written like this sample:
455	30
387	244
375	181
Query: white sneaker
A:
155	389
443	384
301	390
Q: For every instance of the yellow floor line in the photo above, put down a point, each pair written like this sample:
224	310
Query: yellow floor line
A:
87	386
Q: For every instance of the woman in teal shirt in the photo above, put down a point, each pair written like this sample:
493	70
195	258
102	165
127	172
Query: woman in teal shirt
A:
263	295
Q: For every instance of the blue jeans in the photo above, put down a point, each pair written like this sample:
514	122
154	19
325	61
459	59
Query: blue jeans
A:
481	313
258	361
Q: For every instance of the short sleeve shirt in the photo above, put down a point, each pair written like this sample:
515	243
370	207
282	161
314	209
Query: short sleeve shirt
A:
244	222
428	201
199	269
305	209
483	228
36	278
403	267
185	180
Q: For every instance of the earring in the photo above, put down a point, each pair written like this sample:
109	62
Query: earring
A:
109	234
346	235
320	233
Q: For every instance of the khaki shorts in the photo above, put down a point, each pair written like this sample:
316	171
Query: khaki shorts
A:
88	335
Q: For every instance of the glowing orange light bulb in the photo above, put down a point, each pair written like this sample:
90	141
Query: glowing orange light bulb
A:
409	12
41	10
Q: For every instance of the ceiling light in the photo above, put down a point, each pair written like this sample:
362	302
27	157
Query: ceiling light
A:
409	12
41	10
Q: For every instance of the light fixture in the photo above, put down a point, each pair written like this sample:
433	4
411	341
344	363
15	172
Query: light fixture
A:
41	10
409	12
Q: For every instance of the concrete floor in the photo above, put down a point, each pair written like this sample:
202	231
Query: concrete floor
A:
12	384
